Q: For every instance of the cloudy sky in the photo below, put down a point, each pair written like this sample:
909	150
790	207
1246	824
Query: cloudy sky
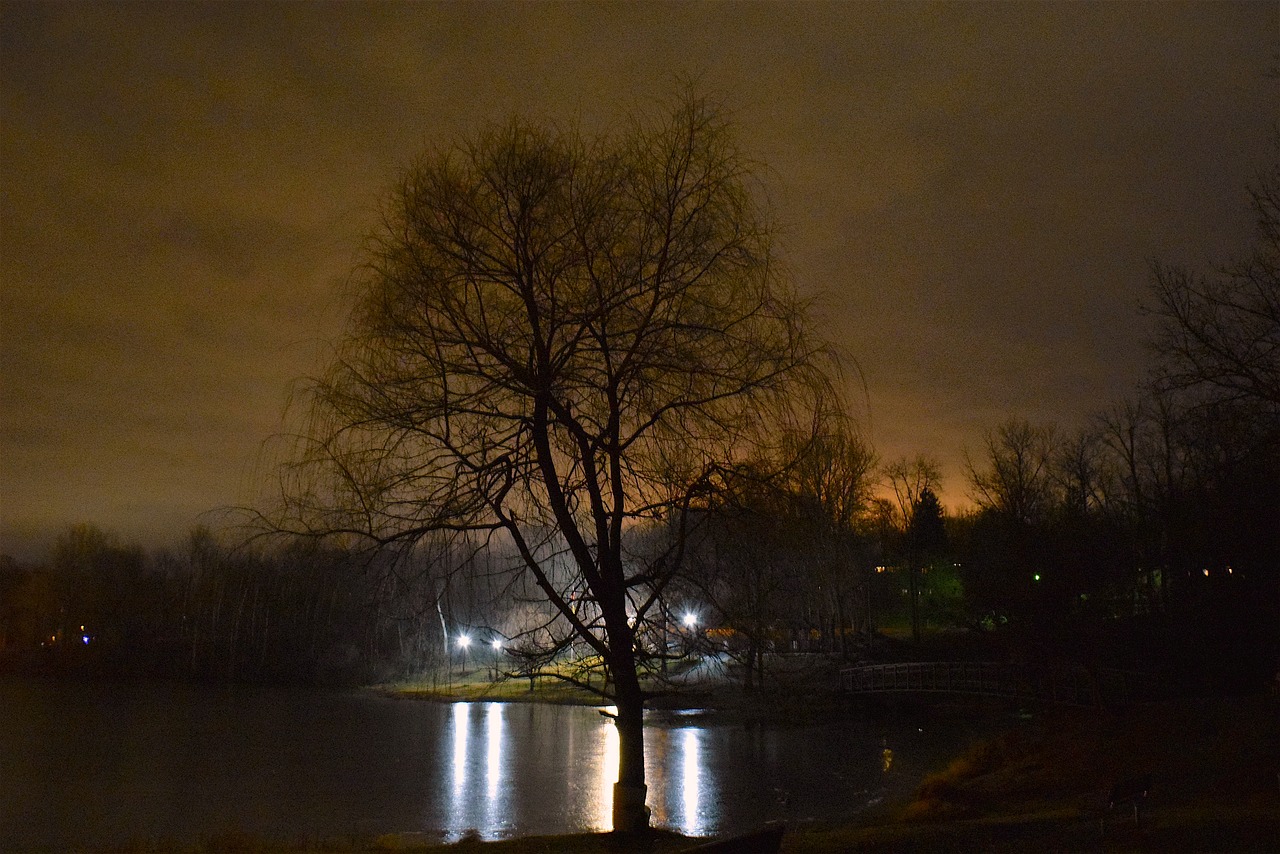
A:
973	193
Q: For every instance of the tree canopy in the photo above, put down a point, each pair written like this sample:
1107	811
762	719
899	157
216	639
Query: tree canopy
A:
556	338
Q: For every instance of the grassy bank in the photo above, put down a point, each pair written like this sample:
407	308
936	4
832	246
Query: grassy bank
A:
800	688
478	687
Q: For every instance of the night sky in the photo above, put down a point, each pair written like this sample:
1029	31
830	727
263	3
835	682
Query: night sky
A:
973	193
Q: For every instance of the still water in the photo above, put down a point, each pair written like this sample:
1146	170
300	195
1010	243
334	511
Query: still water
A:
94	764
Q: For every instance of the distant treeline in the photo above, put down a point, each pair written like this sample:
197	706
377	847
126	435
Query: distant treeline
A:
286	612
1149	538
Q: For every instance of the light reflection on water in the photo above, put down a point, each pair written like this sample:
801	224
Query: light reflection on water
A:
691	826
470	809
493	727
461	721
673	766
606	771
98	765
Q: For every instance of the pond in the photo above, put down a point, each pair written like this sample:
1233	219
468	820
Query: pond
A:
103	763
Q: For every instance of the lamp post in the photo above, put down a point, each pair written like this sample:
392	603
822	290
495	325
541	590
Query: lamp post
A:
665	614
464	641
690	623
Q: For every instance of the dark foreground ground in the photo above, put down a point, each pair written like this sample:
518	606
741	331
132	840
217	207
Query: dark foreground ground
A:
1214	767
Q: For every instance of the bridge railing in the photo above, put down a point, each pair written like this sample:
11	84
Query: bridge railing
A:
1056	684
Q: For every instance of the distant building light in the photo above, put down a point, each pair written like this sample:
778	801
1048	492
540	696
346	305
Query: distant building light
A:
1206	573
1036	577
85	638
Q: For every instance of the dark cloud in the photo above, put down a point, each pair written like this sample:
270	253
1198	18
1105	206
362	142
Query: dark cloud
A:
973	192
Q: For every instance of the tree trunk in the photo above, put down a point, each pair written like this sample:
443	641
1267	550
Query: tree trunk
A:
629	811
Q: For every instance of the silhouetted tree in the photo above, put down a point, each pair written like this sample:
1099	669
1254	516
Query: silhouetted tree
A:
744	556
1221	332
926	541
831	481
777	552
29	606
1013	490
909	478
558	338
1081	472
1013	477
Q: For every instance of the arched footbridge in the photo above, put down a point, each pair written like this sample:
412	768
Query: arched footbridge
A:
1071	685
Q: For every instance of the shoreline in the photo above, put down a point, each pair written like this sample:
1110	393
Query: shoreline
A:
1035	783
1215	765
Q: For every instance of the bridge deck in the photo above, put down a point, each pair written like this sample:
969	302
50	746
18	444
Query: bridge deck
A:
1068	685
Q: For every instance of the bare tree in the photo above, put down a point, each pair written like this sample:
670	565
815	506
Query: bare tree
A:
1013	479
1220	333
559	338
1079	468
743	562
909	478
834	480
776	553
834	474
